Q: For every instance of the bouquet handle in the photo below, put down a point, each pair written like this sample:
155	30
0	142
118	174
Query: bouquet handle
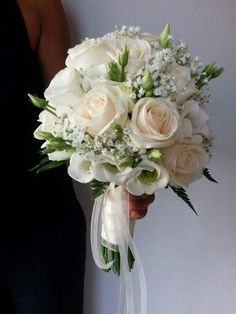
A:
112	234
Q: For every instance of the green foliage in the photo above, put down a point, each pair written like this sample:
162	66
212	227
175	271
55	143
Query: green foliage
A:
116	70
208	73
182	194
41	103
112	255
207	174
98	188
46	164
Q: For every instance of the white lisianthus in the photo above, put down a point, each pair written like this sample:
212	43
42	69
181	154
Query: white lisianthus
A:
147	177
64	90
79	168
59	155
48	121
195	122
185	87
185	163
91	54
101	106
105	169
154	122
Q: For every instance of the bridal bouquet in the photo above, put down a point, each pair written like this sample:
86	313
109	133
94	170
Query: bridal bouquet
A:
127	113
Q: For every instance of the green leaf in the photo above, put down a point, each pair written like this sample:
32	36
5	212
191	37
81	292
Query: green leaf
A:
42	162
183	194
207	174
111	255
46	164
98	188
51	165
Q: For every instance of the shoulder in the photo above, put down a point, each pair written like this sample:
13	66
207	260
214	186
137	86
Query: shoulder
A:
48	33
41	16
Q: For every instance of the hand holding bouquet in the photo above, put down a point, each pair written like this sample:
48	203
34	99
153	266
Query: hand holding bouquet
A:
127	113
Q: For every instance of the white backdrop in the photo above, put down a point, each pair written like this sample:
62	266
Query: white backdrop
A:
189	261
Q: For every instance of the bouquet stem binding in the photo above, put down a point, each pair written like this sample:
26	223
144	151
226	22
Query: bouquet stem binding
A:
113	246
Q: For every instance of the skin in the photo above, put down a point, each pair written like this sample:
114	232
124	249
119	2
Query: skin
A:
48	34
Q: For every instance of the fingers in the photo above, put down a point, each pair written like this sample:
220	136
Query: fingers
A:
139	205
138	214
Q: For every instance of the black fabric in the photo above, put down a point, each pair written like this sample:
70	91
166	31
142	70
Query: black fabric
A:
42	226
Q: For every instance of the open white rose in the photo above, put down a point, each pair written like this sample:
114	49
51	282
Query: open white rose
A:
185	163
154	122
79	168
147	178
139	53
91	53
101	106
64	90
104	169
194	123
94	53
185	87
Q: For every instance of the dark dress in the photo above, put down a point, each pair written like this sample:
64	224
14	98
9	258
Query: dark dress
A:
42	226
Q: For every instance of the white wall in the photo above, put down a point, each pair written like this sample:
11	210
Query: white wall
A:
189	261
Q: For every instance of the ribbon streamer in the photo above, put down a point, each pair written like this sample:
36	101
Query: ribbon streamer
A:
111	226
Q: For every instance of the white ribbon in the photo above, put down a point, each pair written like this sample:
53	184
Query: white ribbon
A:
111	225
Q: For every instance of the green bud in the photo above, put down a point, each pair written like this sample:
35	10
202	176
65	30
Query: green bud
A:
123	57
38	102
155	154
115	72
116	127
217	72
45	135
147	81
126	161
164	38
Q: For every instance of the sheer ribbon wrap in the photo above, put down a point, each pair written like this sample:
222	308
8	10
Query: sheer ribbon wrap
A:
112	228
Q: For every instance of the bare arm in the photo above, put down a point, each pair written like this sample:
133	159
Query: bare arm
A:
54	38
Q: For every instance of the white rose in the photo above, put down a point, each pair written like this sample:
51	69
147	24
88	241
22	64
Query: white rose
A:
64	90
91	53
195	121
147	178
104	169
185	87
94	53
101	106
185	163
48	122
154	122
79	168
139	53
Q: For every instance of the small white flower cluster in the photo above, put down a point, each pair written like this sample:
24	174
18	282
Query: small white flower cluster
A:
125	31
